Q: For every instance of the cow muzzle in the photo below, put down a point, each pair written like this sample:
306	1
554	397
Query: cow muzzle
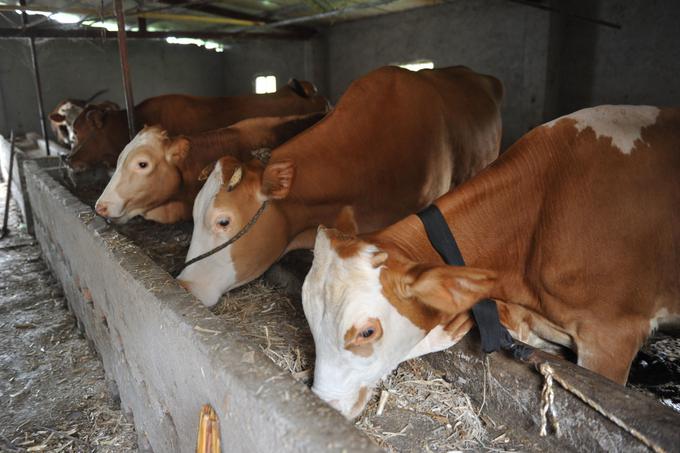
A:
350	406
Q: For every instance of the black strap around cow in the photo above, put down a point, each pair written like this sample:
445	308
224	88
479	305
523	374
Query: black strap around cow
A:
494	336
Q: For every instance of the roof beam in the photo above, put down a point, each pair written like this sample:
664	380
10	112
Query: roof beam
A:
94	33
221	11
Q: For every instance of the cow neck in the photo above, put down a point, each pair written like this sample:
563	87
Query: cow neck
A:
493	218
205	149
313	199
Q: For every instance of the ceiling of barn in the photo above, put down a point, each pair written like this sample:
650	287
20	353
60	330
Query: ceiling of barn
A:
296	18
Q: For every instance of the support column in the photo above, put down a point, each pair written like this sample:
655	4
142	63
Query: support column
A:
125	68
36	79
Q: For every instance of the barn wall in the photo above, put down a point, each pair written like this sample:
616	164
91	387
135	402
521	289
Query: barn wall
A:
550	63
78	68
496	37
284	59
638	64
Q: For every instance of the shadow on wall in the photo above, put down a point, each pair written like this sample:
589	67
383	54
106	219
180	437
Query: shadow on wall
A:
576	50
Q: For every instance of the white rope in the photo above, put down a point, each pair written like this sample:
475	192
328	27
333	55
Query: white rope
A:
548	401
548	408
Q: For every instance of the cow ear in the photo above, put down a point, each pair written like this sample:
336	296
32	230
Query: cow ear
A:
451	289
277	179
206	171
177	150
96	118
109	105
345	221
57	117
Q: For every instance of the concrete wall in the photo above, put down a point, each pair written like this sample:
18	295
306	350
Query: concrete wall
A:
496	37
637	64
550	63
284	59
78	68
164	353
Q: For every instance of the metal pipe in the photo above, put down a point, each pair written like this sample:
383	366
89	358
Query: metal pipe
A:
5	230
125	67
36	78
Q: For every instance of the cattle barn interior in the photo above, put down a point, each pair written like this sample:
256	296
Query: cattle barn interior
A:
103	349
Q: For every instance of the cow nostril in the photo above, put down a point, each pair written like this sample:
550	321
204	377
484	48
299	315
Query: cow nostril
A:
102	209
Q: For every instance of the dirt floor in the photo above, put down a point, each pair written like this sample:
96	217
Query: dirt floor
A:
53	395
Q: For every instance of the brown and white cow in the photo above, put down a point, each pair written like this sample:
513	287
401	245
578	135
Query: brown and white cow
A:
396	141
65	113
101	135
574	231
157	176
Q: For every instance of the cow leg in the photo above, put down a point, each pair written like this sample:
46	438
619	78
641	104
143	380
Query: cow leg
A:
609	348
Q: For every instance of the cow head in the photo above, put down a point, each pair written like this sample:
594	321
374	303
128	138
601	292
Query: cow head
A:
99	135
232	195
147	175
369	310
62	119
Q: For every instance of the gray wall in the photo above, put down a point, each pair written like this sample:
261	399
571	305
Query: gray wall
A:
496	37
638	64
78	68
550	63
284	59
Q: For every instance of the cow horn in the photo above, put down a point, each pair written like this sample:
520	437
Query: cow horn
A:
235	178
205	173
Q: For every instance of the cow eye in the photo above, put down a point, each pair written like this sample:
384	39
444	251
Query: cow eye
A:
367	333
142	164
223	223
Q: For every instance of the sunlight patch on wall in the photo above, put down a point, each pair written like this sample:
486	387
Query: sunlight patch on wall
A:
210	45
265	84
417	65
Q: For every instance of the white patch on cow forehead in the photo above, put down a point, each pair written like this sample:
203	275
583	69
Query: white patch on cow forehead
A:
343	291
64	108
622	123
146	137
333	282
207	194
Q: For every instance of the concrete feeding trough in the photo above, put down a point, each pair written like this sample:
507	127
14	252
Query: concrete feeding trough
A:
166	355
27	147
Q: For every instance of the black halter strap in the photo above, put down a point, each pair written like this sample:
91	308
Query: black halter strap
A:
494	335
